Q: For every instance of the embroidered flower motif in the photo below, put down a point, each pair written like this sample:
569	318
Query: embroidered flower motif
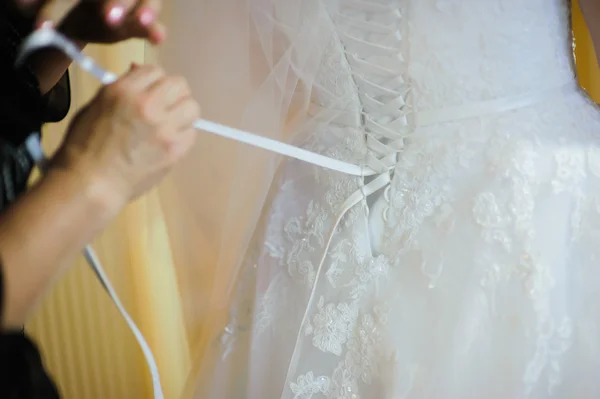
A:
307	385
332	326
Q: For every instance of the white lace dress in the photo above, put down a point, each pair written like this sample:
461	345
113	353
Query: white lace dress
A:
473	269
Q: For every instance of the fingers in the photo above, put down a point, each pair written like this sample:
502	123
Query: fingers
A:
164	94
185	113
146	13
137	18
169	91
181	143
142	78
171	98
144	24
100	20
137	81
159	99
154	6
115	12
158	33
53	12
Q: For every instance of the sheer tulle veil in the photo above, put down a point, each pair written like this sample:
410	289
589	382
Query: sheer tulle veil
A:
252	64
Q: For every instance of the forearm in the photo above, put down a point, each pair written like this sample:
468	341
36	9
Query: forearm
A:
41	234
591	14
49	66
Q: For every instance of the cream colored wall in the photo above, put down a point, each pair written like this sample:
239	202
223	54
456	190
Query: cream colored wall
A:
86	344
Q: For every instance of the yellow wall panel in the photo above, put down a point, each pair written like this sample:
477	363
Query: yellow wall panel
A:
587	66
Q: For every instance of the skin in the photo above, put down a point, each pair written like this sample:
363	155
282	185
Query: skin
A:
119	146
90	21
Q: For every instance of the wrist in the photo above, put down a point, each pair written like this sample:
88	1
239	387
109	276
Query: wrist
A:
94	193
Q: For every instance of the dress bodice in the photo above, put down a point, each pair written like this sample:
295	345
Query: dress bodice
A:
440	53
462	267
464	51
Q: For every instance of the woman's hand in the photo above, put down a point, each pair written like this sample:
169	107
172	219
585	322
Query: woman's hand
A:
99	21
90	21
94	22
119	146
129	136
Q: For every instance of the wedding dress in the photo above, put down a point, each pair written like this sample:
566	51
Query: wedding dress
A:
467	266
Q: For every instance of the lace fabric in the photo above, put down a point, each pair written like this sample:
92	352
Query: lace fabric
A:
470	271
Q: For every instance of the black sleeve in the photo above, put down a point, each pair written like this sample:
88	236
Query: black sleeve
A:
22	374
57	101
22	108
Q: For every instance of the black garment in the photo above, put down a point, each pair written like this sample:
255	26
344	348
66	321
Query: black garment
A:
22	374
22	111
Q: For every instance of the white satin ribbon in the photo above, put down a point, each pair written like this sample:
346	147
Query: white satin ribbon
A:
50	38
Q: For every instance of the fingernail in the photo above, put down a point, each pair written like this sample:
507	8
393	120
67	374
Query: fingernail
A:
115	14
158	35
146	16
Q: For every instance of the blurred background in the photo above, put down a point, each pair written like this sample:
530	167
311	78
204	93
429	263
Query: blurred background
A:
86	345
